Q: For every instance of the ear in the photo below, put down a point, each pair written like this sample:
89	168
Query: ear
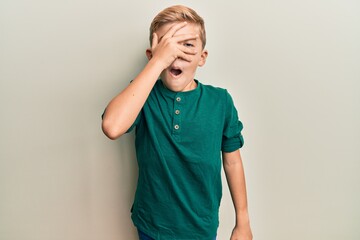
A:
203	57
148	53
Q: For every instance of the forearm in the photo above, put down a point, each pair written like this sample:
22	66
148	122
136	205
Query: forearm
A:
123	109
234	171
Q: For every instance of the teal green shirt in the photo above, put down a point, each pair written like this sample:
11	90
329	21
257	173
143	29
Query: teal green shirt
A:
179	139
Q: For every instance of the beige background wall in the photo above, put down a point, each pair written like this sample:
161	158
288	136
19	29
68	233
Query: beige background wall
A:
293	68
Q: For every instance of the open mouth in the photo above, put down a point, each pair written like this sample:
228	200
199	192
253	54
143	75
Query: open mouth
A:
175	71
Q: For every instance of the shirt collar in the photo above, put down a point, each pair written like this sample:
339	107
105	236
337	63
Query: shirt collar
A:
172	94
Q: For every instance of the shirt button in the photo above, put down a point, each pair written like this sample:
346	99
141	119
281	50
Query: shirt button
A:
178	99
176	127
177	112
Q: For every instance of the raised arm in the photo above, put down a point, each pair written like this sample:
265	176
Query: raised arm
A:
123	109
234	172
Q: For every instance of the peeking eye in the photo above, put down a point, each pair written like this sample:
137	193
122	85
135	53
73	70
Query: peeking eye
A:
188	45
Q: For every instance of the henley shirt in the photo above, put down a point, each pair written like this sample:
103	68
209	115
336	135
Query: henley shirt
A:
179	137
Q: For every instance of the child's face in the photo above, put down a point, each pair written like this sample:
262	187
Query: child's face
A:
179	76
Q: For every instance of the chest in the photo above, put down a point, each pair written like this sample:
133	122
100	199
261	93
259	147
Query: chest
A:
186	119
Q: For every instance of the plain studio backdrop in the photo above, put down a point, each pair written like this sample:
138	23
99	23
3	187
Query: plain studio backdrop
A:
292	67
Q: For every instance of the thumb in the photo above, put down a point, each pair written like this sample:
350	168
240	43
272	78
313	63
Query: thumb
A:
154	41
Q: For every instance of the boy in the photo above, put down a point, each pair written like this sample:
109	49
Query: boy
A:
181	128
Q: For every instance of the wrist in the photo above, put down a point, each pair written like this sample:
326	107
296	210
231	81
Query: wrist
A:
242	218
157	64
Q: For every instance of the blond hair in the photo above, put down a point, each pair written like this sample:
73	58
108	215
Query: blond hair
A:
178	13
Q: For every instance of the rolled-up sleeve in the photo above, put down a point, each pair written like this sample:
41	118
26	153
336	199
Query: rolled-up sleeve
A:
232	138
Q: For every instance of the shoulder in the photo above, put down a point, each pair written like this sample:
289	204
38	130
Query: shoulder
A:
214	91
218	95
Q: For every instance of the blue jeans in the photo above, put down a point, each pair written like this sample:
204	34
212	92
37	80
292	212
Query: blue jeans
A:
143	236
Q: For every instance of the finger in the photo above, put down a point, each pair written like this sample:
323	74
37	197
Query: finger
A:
185	37
187	50
184	57
154	41
174	29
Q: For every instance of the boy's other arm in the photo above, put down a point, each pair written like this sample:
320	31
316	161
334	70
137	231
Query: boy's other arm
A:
235	177
123	109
